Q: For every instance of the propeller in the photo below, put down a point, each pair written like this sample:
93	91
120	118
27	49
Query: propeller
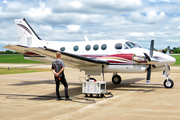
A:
168	50
150	62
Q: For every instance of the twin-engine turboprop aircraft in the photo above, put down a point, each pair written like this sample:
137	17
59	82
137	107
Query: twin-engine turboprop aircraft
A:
94	57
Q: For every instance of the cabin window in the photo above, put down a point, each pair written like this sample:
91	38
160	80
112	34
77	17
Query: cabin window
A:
103	47
88	47
118	46
96	47
62	48
76	48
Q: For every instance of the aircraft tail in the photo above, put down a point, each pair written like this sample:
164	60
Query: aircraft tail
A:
26	34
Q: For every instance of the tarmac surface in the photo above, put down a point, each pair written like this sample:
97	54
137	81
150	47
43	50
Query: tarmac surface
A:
30	96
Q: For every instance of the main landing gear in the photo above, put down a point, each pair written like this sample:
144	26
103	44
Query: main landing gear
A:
116	79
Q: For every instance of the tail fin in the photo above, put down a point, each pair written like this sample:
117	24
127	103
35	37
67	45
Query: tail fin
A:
26	34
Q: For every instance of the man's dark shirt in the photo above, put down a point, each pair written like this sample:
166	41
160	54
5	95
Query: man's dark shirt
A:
58	64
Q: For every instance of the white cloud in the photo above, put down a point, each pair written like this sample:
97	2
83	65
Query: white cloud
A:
161	0
73	28
152	34
178	27
40	12
45	28
4	1
75	4
136	34
149	17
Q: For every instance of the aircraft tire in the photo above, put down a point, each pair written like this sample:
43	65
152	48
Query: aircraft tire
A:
168	83
116	79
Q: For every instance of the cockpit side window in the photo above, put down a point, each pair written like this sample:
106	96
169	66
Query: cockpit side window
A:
125	47
118	46
132	45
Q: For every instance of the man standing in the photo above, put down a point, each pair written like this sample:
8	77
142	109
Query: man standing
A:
58	66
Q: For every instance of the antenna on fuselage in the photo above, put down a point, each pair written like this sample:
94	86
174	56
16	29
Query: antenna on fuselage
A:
86	38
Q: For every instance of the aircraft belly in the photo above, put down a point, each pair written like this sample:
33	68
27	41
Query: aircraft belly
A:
116	68
125	68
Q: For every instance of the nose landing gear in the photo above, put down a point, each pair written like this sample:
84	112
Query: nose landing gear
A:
168	83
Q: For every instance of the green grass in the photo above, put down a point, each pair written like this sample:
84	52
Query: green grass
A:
15	59
177	57
19	70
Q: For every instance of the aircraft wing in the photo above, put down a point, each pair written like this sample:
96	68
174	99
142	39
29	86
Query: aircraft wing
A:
71	60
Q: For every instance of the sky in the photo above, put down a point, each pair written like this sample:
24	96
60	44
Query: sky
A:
139	21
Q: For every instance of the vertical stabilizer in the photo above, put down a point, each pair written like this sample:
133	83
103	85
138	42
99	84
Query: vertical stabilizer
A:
26	34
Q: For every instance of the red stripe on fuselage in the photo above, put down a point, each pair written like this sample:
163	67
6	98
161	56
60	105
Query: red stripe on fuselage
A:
124	56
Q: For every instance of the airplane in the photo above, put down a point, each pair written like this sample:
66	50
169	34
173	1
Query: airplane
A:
94	57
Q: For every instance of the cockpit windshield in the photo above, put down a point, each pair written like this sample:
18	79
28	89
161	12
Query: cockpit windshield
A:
132	45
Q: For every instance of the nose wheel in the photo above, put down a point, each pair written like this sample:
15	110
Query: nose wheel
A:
168	83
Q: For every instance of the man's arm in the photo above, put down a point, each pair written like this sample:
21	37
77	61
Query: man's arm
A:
60	71
52	69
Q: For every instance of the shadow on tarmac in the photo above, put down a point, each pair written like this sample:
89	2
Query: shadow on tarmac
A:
23	83
126	85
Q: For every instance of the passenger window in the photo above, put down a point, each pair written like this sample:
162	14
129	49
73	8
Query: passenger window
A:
103	47
76	48
96	47
88	47
62	48
118	46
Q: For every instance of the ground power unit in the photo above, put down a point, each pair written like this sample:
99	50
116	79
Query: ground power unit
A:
90	87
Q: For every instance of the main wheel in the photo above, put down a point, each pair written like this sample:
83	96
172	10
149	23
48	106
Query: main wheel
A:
168	83
116	79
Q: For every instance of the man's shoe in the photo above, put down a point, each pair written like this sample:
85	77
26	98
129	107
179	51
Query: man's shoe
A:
58	99
68	99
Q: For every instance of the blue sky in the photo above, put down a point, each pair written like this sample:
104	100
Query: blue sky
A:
139	21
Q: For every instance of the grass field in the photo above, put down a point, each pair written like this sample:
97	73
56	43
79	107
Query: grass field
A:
15	59
177	59
19	70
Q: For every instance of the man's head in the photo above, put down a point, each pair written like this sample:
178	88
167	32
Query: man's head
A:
58	54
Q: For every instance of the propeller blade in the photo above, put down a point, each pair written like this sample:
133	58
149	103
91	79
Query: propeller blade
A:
147	57
151	48
150	61
168	50
148	74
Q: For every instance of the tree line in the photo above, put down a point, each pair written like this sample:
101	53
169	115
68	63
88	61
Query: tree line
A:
8	52
176	50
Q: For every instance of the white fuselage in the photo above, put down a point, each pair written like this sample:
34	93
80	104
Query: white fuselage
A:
108	50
